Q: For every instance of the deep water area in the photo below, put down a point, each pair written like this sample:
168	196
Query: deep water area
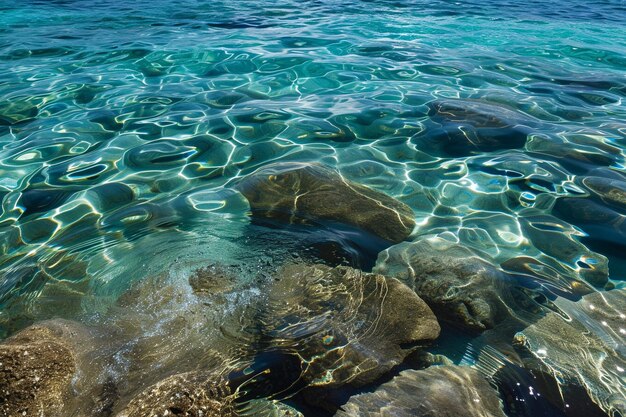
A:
313	208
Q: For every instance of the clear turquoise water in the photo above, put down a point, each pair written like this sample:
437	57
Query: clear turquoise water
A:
124	125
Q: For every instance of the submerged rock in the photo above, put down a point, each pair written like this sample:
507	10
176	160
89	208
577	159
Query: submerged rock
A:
155	355
315	327
267	408
588	349
52	369
344	325
455	283
191	394
166	329
18	110
445	391
36	369
470	126
167	349
297	192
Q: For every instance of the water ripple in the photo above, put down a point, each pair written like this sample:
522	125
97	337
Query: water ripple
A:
123	128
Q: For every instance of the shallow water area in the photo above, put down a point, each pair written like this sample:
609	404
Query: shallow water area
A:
129	133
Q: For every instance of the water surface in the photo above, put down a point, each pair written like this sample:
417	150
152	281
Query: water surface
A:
125	125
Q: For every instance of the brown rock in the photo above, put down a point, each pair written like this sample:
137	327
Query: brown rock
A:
346	325
295	192
193	394
456	284
445	391
36	367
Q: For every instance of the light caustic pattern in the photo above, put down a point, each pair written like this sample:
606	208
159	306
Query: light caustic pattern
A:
123	128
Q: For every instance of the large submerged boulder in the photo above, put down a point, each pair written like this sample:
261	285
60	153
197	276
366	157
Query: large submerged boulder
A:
35	372
458	285
442	391
346	326
37	366
297	192
588	348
